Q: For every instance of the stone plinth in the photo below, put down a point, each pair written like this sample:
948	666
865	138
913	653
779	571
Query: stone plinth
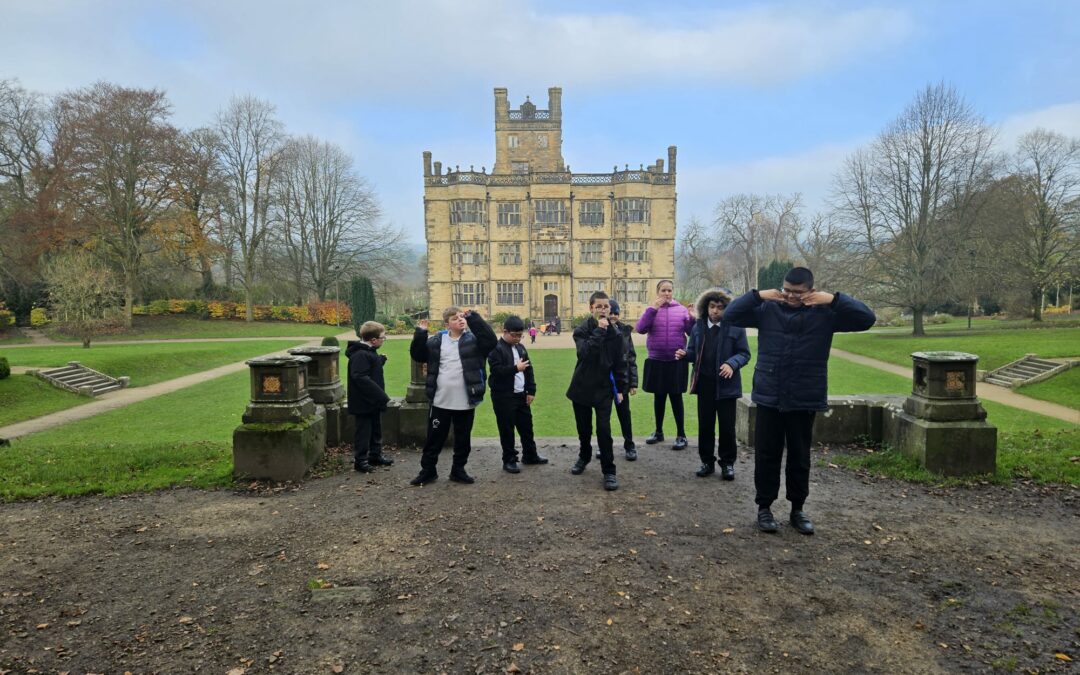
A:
278	451
942	423
848	419
325	388
284	432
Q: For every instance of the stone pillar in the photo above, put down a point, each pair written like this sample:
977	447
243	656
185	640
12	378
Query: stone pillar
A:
324	386
942	423
412	413
283	432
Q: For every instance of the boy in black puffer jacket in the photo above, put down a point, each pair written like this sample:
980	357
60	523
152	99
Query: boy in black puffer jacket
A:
626	332
599	379
367	396
456	374
791	381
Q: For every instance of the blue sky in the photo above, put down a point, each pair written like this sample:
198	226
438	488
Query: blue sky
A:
761	97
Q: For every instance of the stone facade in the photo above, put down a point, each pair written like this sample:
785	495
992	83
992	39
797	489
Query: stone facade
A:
532	238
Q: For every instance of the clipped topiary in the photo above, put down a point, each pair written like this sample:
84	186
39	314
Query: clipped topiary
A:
5	369
330	341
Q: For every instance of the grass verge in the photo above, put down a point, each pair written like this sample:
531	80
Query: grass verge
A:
1063	389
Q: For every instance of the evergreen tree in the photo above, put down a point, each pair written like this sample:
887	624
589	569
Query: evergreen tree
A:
361	302
772	275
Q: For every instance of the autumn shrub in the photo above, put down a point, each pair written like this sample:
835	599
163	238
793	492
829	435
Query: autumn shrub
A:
7	317
38	317
221	309
158	308
138	310
330	313
299	313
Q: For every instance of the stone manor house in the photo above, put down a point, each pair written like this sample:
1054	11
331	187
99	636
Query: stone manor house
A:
534	239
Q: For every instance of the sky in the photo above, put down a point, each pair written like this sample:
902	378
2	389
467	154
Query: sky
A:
765	97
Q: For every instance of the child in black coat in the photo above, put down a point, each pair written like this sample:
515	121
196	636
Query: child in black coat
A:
513	388
367	396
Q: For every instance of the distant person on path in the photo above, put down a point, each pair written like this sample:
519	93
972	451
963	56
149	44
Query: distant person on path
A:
367	396
455	386
623	408
532	333
599	378
795	331
718	351
513	389
666	322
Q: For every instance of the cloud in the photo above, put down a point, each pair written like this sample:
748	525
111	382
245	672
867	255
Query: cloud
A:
809	173
1063	118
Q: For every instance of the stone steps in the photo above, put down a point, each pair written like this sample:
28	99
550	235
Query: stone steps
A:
81	380
1027	370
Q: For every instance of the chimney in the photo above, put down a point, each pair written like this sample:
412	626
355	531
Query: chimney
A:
555	102
671	158
427	163
502	105
438	168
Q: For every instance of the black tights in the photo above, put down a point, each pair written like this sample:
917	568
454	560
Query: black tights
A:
676	411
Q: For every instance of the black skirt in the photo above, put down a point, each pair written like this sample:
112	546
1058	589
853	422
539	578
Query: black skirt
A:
665	377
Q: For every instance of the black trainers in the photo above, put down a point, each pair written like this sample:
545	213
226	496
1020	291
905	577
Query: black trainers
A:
511	467
706	469
458	475
654	438
727	472
680	443
380	460
766	522
535	459
362	466
424	477
631	455
610	482
801	522
579	467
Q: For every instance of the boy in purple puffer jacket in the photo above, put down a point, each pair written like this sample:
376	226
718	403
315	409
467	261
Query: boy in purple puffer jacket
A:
667	323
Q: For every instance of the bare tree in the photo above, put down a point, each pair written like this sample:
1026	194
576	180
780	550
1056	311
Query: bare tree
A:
1046	237
84	294
701	261
121	151
251	140
331	217
826	248
759	229
198	201
906	192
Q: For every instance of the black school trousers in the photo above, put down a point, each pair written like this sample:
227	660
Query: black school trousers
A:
367	440
439	421
773	430
713	414
512	411
583	414
626	422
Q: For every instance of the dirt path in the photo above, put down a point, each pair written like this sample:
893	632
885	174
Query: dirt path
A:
543	572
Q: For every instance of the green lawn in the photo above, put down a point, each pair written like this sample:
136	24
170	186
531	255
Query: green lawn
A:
185	438
995	347
181	327
1063	389
23	397
150	363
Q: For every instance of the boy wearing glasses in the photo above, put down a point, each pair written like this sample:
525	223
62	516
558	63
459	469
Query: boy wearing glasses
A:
513	388
367	396
795	329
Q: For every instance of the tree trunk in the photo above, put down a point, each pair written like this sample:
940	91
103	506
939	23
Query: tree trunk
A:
917	329
129	299
1038	317
207	272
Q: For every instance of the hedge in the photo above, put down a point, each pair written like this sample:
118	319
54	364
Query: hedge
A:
329	312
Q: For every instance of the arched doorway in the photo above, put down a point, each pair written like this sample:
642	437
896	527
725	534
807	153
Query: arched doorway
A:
551	306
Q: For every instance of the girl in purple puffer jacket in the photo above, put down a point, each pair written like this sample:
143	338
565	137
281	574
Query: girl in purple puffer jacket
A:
666	323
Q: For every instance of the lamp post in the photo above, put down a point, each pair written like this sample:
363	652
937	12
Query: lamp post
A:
337	297
974	296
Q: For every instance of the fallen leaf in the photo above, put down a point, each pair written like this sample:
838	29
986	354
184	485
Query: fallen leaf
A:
610	621
144	528
867	542
513	668
1062	657
42	626
878	528
337	668
237	671
186	619
518	647
633	551
728	530
323	566
651	533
